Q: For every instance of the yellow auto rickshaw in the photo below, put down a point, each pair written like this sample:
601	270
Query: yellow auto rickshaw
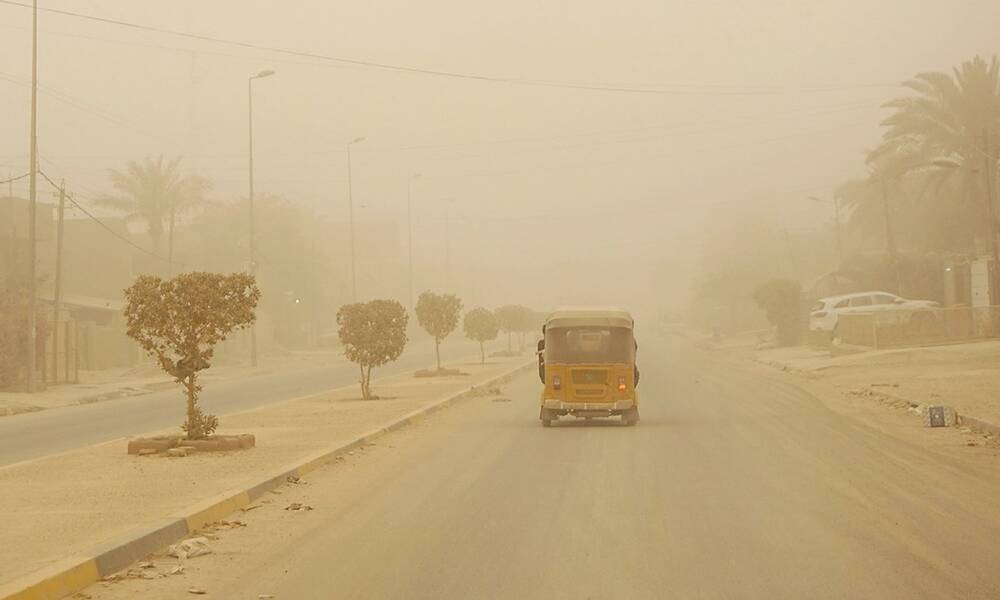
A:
586	360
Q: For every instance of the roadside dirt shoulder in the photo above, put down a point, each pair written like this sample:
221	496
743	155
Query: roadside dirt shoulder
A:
963	376
880	389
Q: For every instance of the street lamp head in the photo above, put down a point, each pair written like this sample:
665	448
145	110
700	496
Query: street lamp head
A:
357	140
946	163
263	74
416	176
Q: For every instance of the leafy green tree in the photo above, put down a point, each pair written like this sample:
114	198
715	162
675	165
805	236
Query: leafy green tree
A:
179	321
480	324
373	334
155	192
438	315
781	300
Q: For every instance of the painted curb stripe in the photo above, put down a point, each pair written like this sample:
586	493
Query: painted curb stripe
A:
58	581
74	574
134	546
981	426
216	510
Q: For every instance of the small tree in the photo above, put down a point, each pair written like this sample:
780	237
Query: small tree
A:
179	321
480	325
438	315
781	300
373	334
525	324
508	320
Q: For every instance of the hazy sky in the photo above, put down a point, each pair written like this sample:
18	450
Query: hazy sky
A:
759	102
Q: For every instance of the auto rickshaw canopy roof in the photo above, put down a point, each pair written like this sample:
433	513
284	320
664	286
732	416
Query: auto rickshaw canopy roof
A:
589	316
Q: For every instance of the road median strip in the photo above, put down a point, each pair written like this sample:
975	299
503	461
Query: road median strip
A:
77	572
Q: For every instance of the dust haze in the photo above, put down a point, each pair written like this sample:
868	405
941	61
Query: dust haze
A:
548	194
243	235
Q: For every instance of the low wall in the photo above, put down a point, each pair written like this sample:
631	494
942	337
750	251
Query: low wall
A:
893	328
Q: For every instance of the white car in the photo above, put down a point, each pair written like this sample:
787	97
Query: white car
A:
824	314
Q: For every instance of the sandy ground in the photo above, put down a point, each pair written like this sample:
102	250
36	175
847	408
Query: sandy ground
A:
736	484
963	376
98	386
52	507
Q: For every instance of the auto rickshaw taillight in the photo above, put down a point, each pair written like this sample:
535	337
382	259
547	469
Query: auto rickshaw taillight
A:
556	382
621	384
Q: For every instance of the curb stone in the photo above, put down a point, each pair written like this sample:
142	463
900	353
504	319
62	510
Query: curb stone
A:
75	573
979	425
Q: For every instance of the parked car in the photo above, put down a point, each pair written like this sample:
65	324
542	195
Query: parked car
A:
825	312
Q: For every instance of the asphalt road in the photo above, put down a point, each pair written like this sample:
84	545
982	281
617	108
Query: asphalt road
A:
732	486
34	435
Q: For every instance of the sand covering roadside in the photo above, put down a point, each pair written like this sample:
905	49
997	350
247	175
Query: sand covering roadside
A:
964	376
56	506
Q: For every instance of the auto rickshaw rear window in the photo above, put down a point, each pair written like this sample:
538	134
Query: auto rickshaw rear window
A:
577	345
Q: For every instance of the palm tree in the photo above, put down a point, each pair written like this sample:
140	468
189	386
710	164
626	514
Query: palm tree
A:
950	128
155	192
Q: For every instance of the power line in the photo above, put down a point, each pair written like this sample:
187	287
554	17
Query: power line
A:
105	226
677	89
13	179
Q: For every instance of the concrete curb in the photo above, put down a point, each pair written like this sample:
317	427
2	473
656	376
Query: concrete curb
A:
77	572
978	425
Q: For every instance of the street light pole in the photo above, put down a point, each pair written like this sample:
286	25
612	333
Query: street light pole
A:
32	203
350	216
253	241
409	230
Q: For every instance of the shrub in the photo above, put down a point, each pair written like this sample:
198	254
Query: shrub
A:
781	300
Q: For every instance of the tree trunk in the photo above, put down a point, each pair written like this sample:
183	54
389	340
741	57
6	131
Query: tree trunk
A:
364	383
482	354
437	351
510	349
192	415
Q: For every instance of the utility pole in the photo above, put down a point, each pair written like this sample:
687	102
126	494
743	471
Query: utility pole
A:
57	294
409	231
32	203
253	236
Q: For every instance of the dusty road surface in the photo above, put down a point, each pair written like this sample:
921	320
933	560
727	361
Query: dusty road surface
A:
34	435
732	486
